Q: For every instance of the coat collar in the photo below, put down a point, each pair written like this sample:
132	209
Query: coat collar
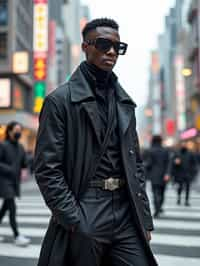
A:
80	89
82	94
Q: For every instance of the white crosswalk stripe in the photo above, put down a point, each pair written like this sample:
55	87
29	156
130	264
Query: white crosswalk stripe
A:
179	232
175	241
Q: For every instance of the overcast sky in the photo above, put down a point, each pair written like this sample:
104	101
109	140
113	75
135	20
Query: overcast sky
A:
140	23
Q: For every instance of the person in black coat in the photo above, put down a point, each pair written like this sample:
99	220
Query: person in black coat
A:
184	169
88	164
12	160
158	171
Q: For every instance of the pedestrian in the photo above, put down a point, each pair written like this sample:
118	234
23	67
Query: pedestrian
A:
184	169
158	172
88	164
12	161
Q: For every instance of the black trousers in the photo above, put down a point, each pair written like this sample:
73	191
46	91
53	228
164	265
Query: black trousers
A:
106	232
158	197
9	205
184	185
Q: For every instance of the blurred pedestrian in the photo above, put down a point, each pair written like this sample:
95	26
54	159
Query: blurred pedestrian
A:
88	164
158	172
184	169
12	160
146	162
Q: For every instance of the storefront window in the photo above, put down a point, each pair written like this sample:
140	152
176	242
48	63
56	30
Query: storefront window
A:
3	12
2	132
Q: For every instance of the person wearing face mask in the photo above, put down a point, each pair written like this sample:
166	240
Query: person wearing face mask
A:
12	161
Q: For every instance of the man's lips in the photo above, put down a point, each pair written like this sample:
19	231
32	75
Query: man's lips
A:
109	61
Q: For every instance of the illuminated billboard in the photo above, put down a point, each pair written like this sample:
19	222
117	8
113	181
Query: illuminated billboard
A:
5	95
40	26
20	62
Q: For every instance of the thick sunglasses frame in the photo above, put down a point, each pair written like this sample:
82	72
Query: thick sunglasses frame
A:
119	47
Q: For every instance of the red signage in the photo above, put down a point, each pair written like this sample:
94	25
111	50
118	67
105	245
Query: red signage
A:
170	127
40	1
40	68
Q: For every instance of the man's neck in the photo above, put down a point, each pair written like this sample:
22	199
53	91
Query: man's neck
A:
100	75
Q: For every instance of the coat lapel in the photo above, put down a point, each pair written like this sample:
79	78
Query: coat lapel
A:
125	109
125	114
92	112
82	94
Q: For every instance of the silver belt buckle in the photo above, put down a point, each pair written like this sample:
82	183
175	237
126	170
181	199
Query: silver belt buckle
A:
111	184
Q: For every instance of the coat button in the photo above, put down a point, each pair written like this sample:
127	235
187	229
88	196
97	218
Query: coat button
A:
139	194
131	152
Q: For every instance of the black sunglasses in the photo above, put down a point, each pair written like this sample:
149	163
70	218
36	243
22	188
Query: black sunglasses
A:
104	45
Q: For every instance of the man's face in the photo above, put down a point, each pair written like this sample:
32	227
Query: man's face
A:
104	60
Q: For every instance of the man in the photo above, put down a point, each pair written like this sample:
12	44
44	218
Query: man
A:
12	160
88	166
158	172
184	168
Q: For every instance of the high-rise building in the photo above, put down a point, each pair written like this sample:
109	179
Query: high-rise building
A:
173	46
16	45
75	16
58	53
193	57
66	18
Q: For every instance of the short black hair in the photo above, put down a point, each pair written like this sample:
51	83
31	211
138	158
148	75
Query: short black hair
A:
99	22
156	140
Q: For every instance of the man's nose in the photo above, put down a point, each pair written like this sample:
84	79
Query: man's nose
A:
112	51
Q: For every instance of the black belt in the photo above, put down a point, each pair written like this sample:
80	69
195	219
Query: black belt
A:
108	184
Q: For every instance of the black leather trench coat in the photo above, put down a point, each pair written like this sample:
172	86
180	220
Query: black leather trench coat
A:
68	143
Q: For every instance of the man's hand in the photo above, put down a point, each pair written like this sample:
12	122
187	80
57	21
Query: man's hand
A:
167	178
177	161
148	234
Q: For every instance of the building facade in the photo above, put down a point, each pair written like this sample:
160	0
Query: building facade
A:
179	71
16	45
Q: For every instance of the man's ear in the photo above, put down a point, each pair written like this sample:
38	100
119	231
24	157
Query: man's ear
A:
84	46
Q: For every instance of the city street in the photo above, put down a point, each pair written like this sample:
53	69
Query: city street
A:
175	240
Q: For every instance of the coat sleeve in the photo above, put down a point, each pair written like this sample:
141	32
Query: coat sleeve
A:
5	169
48	164
140	173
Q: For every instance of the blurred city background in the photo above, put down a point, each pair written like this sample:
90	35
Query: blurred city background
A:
40	46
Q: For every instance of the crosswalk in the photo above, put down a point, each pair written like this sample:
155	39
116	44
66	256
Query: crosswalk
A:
175	241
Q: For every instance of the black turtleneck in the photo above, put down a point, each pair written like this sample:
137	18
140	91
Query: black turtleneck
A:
102	85
101	76
99	80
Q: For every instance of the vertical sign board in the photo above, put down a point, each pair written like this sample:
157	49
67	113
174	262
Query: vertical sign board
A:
180	93
40	47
